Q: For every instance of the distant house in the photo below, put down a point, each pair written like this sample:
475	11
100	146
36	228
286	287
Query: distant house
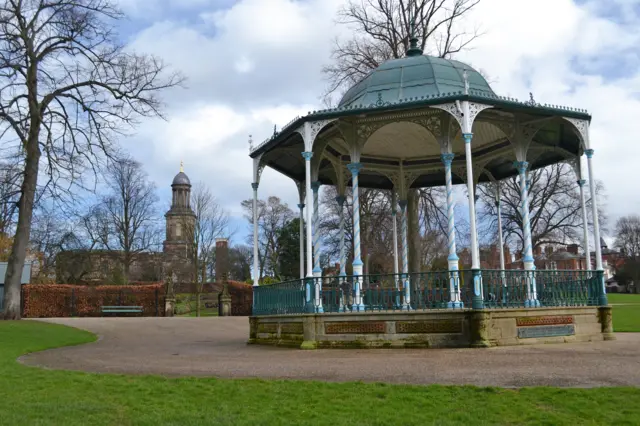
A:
551	259
25	279
612	260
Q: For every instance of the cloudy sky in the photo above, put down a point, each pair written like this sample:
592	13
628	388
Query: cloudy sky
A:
251	64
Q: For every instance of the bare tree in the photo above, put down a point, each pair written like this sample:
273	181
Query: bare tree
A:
210	222
68	88
628	235
376	230
554	205
240	262
10	180
628	242
273	215
126	219
382	29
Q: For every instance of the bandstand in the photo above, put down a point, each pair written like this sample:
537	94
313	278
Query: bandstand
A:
416	122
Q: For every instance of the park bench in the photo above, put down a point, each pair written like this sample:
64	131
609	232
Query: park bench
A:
121	310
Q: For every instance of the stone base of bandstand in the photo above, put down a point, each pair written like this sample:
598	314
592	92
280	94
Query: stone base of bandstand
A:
434	329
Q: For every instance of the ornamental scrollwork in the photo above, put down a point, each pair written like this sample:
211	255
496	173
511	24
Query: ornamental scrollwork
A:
582	127
453	109
474	110
302	191
575	164
507	127
431	123
365	130
316	127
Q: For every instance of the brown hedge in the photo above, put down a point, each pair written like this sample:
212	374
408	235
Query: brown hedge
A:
65	300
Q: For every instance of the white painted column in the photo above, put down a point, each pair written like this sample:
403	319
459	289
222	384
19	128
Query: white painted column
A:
503	273
355	168
585	225
500	237
596	226
394	213
301	207
317	270
309	307
477	301
256	264
528	261
406	304
340	199
455	299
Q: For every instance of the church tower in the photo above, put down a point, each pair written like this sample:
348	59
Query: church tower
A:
180	218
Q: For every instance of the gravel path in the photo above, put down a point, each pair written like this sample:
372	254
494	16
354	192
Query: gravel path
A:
217	347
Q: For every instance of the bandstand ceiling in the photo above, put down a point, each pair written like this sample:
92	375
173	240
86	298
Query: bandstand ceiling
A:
417	149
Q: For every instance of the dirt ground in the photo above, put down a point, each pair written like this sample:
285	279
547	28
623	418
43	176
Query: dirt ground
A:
217	347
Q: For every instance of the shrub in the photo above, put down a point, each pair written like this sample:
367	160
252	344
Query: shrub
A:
65	300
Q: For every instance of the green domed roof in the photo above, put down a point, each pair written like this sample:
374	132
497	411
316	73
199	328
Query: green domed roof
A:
414	77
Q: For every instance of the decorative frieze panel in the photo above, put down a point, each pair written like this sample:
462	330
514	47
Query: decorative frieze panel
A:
369	327
546	331
429	327
291	328
268	328
550	320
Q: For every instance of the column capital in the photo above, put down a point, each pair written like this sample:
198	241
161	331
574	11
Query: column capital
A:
447	158
581	182
307	155
301	206
315	185
588	153
521	166
354	168
467	137
255	185
340	199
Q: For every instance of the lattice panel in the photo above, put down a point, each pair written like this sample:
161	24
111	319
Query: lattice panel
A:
267	328
553	320
429	327
354	327
291	328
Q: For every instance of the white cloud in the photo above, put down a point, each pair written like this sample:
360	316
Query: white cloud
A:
259	63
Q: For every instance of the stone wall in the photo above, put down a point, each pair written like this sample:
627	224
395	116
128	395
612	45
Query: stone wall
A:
434	329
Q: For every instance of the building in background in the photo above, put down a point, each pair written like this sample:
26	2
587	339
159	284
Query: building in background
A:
103	266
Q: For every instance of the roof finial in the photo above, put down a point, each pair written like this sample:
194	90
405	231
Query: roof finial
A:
250	144
413	50
181	166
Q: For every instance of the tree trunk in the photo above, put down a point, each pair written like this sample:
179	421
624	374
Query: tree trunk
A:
413	231
13	276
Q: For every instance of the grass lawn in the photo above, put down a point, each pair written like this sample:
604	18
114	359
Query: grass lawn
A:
33	396
626	311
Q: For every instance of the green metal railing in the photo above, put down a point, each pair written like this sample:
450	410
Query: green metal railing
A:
430	290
